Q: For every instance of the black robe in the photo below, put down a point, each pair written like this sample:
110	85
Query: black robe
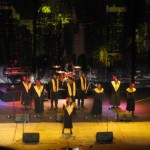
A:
130	100
97	104
39	101
115	96
67	116
26	95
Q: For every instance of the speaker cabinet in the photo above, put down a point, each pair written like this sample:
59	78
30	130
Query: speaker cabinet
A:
124	116
22	118
30	137
104	137
59	117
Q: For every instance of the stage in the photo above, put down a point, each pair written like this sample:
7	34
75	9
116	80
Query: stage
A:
128	132
10	107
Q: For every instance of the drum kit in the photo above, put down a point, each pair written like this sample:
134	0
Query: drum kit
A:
63	76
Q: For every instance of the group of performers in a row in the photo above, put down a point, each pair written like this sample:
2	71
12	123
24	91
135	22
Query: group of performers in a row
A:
75	89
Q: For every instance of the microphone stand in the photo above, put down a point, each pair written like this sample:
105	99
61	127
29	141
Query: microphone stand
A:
13	99
89	86
87	90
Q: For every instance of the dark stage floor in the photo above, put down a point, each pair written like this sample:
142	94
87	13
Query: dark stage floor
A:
11	110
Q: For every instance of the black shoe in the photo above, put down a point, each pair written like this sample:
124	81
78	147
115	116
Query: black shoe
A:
113	107
118	107
51	108
23	108
81	108
78	108
94	116
100	116
35	116
38	116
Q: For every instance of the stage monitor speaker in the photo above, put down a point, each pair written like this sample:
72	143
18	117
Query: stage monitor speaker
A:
30	137
124	116
22	118
104	137
59	117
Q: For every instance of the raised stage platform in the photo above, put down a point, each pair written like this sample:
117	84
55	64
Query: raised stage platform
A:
9	93
10	108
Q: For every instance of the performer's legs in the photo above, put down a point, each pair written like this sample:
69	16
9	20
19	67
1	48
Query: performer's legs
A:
82	102
51	102
51	99
73	99
56	103
78	102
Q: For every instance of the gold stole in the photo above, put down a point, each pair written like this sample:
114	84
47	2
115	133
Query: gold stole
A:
131	90
27	86
69	108
38	90
55	85
83	85
116	86
71	93
97	90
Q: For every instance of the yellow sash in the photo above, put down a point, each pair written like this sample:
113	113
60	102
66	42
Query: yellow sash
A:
27	86
71	93
83	85
115	85
131	90
69	108
38	90
55	85
97	90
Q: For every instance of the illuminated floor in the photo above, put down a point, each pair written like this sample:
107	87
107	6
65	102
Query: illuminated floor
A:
126	135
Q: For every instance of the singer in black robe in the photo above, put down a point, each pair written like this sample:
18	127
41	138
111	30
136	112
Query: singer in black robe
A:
54	91
131	98
81	92
68	107
115	93
39	96
26	93
98	99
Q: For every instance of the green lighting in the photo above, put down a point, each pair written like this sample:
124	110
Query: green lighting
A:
64	18
46	9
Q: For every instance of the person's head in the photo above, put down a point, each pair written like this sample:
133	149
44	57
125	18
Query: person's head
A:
15	61
24	78
115	78
132	85
71	62
99	86
37	82
70	80
83	74
54	76
27	79
69	99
